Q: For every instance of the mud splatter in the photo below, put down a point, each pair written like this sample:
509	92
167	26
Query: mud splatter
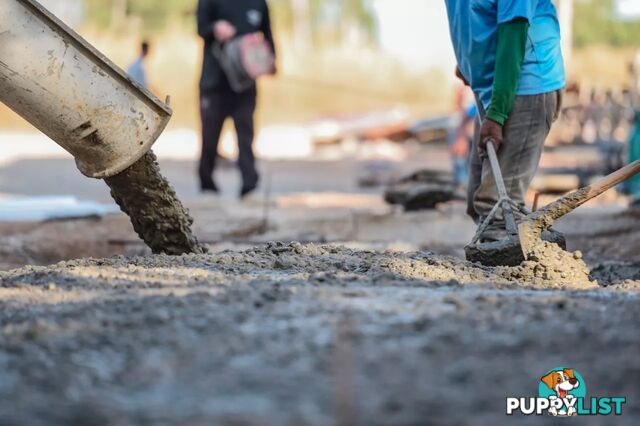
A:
157	215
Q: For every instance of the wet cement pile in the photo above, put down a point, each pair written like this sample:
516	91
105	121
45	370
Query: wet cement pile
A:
325	262
550	266
157	215
290	334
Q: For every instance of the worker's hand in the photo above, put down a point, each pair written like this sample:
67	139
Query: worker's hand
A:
223	31
461	77
490	131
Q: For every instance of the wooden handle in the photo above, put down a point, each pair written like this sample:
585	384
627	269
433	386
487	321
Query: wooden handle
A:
569	202
613	179
592	191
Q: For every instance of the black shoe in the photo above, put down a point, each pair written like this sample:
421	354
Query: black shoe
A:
209	188
247	191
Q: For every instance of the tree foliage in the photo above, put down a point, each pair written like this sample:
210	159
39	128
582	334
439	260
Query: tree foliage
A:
595	23
155	14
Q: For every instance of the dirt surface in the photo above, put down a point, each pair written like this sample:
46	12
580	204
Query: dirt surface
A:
157	215
605	236
622	274
292	334
382	332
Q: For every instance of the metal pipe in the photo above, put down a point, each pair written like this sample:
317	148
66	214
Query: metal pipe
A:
62	85
507	211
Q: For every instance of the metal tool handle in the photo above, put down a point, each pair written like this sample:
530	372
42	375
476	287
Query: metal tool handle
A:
509	219
495	168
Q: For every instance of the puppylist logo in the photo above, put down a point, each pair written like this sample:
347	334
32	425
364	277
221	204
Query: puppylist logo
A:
562	392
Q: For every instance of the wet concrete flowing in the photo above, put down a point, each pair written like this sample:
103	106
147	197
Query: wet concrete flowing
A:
157	215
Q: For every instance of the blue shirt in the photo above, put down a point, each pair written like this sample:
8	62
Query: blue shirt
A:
136	72
474	29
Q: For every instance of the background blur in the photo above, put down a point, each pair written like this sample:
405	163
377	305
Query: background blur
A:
336	56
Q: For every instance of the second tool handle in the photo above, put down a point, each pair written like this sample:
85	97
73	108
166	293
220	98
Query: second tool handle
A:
495	168
507	211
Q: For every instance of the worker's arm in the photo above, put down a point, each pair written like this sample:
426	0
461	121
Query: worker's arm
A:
510	52
207	17
512	41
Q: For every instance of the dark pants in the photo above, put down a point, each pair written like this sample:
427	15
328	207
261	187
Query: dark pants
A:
215	108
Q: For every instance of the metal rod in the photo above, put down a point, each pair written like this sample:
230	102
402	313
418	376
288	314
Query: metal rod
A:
509	219
536	202
495	168
485	223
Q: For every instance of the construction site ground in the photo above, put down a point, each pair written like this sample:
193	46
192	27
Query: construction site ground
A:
318	304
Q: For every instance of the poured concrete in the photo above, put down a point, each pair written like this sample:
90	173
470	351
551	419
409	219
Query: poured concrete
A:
292	334
156	213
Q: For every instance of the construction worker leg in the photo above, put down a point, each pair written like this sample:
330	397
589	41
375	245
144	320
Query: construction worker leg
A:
242	113
524	135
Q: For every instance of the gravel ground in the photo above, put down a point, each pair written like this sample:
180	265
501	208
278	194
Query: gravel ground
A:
290	334
300	334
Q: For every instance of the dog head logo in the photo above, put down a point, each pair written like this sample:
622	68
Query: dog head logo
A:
561	382
562	386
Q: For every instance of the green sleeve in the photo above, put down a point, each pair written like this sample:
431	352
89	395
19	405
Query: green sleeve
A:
512	41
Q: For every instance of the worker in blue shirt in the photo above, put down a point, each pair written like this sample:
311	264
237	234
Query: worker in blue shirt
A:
509	53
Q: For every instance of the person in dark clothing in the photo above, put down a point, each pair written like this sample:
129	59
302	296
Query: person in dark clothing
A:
220	21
